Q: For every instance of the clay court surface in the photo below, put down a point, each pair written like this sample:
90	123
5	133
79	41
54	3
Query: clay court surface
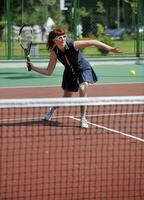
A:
60	161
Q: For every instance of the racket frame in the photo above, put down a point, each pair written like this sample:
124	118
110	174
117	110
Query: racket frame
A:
26	50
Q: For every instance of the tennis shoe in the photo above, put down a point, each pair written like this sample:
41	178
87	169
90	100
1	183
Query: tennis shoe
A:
83	123
49	114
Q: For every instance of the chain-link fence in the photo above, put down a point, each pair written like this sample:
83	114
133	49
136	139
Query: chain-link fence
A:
117	23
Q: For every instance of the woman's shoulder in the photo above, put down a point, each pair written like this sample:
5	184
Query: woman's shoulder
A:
70	42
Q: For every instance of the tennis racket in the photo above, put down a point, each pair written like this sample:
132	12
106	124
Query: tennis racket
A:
25	40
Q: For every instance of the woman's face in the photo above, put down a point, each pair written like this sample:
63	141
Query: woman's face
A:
60	40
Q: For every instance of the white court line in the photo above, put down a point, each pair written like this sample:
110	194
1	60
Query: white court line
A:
96	125
19	119
52	86
111	130
31	118
116	114
77	116
67	116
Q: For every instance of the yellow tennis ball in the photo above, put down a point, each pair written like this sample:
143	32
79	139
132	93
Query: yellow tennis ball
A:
132	72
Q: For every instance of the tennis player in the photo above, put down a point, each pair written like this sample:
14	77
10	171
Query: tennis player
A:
78	73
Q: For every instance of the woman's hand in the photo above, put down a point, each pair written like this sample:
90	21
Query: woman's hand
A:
29	65
116	50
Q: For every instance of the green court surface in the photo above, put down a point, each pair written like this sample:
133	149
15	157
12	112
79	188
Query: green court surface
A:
116	73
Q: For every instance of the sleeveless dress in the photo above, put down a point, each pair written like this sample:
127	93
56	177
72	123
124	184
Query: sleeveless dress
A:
77	68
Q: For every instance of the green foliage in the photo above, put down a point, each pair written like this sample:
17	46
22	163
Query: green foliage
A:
2	24
100	30
100	12
132	4
37	12
100	8
83	12
103	38
126	36
90	12
107	40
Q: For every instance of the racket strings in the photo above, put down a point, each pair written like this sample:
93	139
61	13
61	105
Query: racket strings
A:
26	38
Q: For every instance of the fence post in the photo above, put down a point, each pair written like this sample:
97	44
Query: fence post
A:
138	24
8	28
75	17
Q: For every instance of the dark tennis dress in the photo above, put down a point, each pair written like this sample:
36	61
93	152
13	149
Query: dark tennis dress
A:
77	69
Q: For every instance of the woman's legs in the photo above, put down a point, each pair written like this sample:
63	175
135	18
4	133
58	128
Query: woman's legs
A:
83	93
67	93
51	110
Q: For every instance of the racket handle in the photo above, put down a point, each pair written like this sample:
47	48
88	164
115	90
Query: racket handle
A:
28	64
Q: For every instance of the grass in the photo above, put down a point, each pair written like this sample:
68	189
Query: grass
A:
128	48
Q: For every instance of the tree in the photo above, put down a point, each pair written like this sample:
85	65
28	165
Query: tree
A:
34	12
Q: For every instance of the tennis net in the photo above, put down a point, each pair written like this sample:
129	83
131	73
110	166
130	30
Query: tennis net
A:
58	160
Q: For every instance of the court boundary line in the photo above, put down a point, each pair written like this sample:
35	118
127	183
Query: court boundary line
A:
59	86
93	124
71	117
77	116
111	130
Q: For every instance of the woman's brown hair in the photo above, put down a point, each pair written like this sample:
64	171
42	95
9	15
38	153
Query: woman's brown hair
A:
52	34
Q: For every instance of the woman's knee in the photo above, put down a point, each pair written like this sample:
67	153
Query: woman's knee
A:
83	89
67	93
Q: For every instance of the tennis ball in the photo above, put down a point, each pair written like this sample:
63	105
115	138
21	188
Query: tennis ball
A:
132	72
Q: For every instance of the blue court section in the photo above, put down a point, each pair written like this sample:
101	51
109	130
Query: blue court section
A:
12	75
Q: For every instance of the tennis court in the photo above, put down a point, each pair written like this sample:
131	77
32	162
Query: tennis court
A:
114	79
58	160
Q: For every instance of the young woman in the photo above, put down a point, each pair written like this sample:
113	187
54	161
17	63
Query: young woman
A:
78	73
